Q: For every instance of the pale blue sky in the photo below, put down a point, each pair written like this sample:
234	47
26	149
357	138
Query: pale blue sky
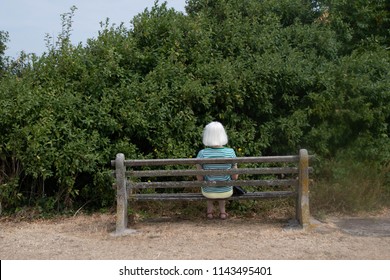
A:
27	21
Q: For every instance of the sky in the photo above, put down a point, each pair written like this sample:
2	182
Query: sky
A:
28	21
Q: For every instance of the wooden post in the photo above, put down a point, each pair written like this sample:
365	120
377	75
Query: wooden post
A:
303	210
121	194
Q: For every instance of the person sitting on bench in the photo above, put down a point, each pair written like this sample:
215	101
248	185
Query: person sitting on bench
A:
215	138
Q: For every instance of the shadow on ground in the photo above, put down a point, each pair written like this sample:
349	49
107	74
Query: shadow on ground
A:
379	227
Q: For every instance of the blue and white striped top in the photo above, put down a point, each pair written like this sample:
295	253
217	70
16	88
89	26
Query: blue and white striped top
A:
217	153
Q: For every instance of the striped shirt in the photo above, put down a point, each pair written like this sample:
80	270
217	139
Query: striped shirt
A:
217	153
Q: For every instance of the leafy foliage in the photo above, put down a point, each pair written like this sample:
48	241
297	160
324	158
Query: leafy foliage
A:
280	75
3	47
362	22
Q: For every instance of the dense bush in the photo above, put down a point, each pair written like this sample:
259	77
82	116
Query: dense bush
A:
280	75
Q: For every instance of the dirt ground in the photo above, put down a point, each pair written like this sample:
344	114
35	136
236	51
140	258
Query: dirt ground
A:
366	237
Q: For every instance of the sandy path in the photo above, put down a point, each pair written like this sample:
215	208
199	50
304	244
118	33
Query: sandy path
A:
88	237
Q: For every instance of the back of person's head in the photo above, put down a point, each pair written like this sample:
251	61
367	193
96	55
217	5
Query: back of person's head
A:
214	134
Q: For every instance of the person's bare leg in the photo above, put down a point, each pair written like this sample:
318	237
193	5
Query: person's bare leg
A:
210	208
222	211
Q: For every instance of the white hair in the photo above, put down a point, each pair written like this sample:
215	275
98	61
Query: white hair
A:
214	135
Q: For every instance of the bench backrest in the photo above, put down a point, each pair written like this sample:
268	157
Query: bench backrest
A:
180	169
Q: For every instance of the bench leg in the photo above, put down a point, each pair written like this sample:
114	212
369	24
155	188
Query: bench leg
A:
303	210
121	197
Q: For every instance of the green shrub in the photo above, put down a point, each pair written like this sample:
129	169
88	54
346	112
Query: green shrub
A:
280	75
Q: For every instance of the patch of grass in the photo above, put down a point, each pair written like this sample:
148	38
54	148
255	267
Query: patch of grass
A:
348	187
264	208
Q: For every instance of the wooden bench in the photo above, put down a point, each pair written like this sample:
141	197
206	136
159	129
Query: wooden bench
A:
144	177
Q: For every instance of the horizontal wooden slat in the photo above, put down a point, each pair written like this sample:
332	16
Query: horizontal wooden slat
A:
188	161
189	172
261	170
192	184
199	196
